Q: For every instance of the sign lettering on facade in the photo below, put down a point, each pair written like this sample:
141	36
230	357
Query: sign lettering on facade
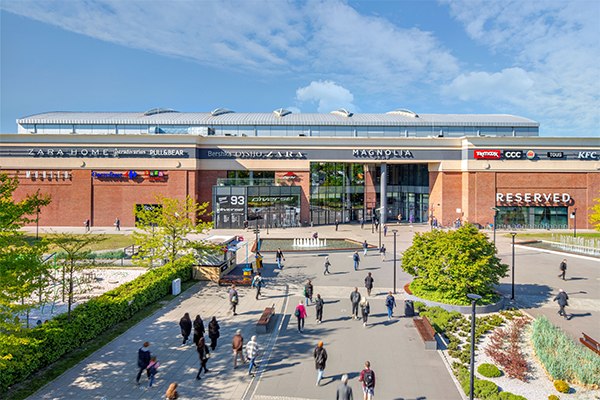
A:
106	152
487	154
257	154
582	155
382	153
513	154
532	198
555	154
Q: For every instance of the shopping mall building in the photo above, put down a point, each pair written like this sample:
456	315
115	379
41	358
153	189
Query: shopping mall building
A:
284	169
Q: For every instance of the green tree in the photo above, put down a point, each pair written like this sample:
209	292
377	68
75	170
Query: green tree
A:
21	266
163	230
73	257
446	265
594	217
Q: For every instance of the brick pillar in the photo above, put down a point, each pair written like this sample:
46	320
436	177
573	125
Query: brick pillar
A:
81	198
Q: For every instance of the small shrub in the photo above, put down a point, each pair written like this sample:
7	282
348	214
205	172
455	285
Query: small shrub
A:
454	353
420	306
562	386
553	397
489	370
452	346
481	388
456	365
510	396
465	356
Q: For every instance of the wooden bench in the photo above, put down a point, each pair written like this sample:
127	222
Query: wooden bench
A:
267	316
427	333
591	343
236	279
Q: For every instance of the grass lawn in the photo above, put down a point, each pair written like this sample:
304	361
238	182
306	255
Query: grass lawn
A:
38	379
112	242
547	236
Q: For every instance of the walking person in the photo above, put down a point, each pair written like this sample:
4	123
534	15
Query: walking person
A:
172	393
367	377
369	283
319	308
257	283
355	299
356	259
365	248
198	329
144	357
238	348
362	223
390	303
399	218
382	252
279	256
186	327
336	224
562	298
252	353
365	310
308	292
320	355
86	224
203	354
300	314
326	264
344	392
563	269
233	299
118	224
385	228
152	369
410	219
213	332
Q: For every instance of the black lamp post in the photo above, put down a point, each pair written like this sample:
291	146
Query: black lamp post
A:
395	231
512	293
372	220
575	222
474	298
495	215
37	227
379	227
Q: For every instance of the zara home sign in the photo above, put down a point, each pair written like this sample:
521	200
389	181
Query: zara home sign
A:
533	198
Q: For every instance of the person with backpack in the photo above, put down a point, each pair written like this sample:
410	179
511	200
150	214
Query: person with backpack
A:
213	332
369	283
320	355
198	329
355	299
367	377
365	310
390	303
319	308
185	323
233	299
326	264
257	283
563	269
356	259
300	313
152	369
279	256
308	292
204	355
144	357
562	298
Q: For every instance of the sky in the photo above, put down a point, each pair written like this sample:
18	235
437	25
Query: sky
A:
535	59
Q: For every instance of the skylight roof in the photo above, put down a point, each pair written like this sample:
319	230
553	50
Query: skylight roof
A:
343	112
160	110
405	112
220	111
282	112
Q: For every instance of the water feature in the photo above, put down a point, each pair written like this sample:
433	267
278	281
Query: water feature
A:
579	245
309	242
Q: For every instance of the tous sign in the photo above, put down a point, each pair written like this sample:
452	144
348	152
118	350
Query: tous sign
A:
532	197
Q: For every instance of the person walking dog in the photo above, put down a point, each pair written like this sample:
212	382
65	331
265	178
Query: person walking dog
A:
562	299
320	355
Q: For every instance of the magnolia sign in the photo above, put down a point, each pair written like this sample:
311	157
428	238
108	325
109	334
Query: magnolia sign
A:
532	197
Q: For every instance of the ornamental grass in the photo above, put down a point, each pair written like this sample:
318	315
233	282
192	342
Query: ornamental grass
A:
562	358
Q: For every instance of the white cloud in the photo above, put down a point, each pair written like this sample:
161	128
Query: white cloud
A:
329	96
315	39
506	85
293	109
556	42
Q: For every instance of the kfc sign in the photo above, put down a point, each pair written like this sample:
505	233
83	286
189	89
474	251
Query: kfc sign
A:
487	154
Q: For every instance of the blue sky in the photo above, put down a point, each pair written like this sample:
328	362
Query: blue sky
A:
539	60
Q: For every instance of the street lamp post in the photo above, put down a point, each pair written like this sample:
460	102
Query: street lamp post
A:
495	215
512	293
372	220
379	226
395	231
37	226
575	223
474	298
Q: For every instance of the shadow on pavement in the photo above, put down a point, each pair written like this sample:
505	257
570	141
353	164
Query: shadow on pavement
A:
537	295
573	315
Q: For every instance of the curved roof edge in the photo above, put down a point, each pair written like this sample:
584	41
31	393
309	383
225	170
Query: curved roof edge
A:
159	110
405	112
220	111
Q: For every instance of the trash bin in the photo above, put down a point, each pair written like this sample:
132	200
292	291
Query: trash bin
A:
247	274
409	308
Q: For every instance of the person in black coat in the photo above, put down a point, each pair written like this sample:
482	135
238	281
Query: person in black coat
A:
308	292
186	327
369	283
562	298
319	308
203	354
143	360
213	332
198	329
320	356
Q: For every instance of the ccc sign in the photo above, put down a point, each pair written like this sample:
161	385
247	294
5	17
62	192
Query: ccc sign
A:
513	154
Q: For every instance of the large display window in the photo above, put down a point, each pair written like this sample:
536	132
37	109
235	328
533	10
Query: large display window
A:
532	217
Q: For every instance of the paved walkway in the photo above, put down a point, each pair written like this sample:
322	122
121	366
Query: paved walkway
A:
403	369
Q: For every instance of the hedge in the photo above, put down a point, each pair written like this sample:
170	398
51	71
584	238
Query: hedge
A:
25	352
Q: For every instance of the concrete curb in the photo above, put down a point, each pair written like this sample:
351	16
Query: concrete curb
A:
489	308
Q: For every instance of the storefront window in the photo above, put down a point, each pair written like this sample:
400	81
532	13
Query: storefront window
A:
533	217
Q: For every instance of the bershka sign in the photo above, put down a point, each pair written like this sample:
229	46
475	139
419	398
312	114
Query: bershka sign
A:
487	154
527	198
257	154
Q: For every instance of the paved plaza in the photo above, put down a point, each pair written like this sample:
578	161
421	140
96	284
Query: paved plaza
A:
403	369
